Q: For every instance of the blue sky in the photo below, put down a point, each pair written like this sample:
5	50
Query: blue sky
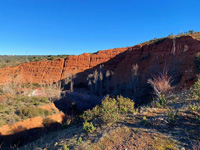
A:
45	27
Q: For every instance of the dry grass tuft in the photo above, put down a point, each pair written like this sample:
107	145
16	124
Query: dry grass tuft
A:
161	83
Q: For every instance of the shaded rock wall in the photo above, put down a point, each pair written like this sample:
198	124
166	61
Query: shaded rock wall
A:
153	58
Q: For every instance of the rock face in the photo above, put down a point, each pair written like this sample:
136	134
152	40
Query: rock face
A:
173	54
52	71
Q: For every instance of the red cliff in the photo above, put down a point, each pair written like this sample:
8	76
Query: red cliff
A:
150	58
50	71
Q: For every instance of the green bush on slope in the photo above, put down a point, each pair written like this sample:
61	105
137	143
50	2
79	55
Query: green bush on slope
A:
195	89
88	127
30	112
110	109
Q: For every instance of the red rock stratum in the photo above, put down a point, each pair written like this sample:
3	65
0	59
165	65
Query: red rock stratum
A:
177	53
48	71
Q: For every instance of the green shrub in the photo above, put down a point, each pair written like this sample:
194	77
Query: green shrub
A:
44	100
88	127
110	109
125	105
80	140
158	105
91	114
195	89
30	112
1	123
109	112
191	31
22	98
68	121
37	100
63	56
8	111
34	100
172	115
64	147
197	61
2	107
144	120
196	109
96	110
88	115
161	102
193	107
35	85
50	57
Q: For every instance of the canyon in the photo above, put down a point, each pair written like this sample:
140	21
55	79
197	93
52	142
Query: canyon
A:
174	54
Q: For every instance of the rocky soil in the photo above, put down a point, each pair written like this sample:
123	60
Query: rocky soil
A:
151	128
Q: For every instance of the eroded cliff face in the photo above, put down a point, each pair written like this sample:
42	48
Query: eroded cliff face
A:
174	54
81	63
34	72
52	71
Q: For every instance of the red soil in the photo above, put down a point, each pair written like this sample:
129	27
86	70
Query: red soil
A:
49	107
36	122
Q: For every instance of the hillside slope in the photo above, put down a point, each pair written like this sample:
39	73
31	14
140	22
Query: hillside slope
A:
129	71
174	127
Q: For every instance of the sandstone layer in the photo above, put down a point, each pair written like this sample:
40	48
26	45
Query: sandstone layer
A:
52	71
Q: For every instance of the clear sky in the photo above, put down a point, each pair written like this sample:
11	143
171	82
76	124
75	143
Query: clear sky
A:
45	27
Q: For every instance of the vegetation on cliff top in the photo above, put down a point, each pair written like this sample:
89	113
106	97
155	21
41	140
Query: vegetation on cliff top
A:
15	60
195	35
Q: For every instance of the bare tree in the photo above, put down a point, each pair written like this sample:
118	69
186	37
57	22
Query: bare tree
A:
69	79
101	83
13	84
115	85
135	78
95	80
174	56
107	80
72	84
90	83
